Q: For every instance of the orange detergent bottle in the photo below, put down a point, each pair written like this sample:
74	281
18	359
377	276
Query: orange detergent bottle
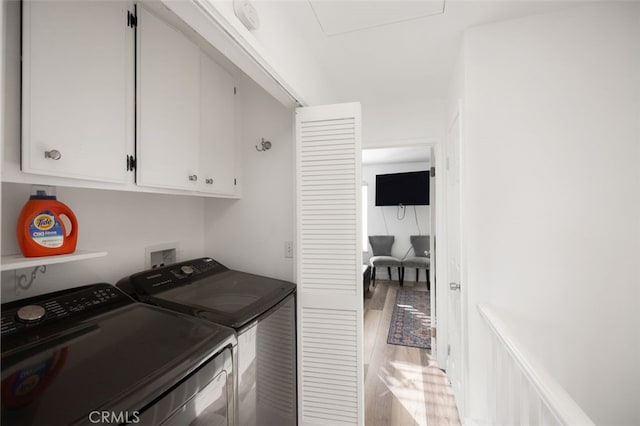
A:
40	230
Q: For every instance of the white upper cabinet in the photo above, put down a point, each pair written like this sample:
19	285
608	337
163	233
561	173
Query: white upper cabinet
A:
77	90
168	122
186	111
217	117
126	95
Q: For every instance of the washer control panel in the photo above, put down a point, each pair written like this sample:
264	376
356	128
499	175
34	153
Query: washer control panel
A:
176	275
47	309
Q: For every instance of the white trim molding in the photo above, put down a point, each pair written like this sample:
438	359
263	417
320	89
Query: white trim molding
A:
519	389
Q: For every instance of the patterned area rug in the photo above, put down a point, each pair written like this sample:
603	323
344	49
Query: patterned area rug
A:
411	320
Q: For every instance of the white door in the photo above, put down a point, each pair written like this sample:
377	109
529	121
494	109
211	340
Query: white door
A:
329	265
432	247
168	121
455	353
77	89
217	121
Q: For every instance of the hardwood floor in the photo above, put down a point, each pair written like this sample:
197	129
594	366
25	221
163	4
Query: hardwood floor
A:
402	384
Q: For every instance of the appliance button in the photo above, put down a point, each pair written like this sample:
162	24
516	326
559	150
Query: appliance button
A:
187	270
31	313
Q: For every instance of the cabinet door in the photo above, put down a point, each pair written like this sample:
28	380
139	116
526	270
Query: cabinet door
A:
77	89
168	84
217	114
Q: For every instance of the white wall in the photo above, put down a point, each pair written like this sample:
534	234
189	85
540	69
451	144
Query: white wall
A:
121	223
249	234
125	223
401	124
551	149
279	45
416	220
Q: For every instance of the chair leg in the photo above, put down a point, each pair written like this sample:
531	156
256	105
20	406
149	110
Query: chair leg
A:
373	275
417	274
428	280
389	271
401	275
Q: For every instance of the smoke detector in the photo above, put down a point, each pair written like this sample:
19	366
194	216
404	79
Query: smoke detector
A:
246	13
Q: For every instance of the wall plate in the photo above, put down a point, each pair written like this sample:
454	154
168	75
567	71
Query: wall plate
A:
160	255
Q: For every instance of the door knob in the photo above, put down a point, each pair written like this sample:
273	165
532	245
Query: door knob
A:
454	286
54	154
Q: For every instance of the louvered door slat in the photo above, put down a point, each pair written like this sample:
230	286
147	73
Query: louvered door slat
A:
329	271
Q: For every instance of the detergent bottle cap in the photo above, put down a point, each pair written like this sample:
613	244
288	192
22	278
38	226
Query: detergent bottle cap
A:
42	192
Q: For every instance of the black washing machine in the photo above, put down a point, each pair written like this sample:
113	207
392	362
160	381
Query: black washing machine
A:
262	311
92	355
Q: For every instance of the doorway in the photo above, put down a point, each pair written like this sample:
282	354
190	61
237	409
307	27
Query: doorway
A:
384	216
403	384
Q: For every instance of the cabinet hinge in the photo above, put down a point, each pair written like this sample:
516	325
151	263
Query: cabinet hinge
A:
234	90
235	182
434	333
132	20
131	163
433	171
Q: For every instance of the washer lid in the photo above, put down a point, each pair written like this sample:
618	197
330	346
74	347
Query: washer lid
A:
119	362
230	298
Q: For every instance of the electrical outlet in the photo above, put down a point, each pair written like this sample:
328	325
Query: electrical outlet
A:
288	249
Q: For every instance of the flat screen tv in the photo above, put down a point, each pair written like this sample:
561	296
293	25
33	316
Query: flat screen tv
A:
408	189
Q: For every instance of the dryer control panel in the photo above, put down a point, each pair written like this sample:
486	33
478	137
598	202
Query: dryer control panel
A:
175	275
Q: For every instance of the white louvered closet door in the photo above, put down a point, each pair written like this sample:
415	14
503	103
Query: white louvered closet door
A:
329	265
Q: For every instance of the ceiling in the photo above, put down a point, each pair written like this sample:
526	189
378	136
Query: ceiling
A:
342	17
395	51
389	52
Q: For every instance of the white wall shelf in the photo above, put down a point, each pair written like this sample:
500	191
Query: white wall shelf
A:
17	261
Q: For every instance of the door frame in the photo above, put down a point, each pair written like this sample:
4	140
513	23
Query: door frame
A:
437	273
461	400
